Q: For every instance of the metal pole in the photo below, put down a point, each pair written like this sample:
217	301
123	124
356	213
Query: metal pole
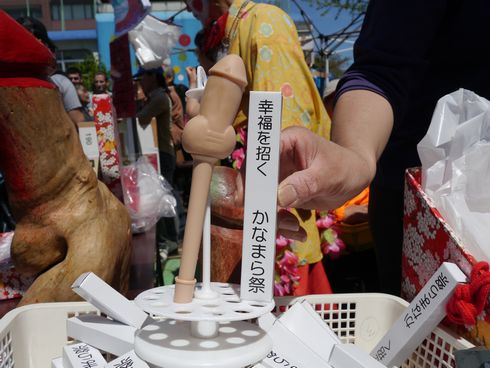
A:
28	6
327	71
62	17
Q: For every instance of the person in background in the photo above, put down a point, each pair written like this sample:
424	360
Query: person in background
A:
75	75
206	60
158	106
65	87
384	104
267	41
84	97
180	89
192	105
101	84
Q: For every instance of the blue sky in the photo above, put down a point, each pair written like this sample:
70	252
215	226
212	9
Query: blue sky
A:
327	24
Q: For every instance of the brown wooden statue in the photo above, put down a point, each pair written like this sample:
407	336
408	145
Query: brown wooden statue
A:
67	222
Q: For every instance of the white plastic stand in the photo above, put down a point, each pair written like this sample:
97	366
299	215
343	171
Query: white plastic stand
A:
211	331
206	330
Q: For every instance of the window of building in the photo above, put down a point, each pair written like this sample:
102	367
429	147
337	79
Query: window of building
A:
35	11
67	58
72	11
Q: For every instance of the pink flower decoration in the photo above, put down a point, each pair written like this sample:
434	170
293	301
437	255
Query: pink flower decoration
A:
278	289
333	250
238	156
289	262
242	133
282	242
325	222
286	268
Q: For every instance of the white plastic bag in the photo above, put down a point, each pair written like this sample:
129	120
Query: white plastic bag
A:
147	195
153	40
455	156
202	79
5	243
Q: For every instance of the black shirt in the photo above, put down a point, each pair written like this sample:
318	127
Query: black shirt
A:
416	52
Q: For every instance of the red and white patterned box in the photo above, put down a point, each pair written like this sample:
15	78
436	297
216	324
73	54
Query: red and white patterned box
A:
427	242
108	138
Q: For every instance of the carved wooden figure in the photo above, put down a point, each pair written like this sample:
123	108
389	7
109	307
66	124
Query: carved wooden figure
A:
67	222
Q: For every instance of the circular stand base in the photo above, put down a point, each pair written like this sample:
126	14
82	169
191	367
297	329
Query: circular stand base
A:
169	344
224	307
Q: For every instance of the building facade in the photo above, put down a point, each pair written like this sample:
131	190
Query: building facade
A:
72	24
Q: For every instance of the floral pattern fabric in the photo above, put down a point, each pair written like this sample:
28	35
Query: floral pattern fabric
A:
107	136
427	242
266	39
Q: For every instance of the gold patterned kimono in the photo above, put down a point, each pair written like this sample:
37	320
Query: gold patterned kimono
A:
266	39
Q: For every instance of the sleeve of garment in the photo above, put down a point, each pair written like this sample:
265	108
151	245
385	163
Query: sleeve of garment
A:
279	65
68	92
393	49
156	105
177	109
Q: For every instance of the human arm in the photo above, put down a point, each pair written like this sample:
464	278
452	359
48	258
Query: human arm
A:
69	95
76	116
157	104
192	104
391	56
322	174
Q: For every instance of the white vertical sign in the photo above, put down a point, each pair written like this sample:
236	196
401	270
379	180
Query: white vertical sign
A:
259	226
423	314
88	139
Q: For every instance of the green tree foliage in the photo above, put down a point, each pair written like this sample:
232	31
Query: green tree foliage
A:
337	65
353	7
89	67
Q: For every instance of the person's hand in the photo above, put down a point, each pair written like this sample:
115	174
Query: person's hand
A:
316	173
227	198
192	75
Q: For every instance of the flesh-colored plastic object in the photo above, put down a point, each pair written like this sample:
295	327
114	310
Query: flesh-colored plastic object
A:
208	137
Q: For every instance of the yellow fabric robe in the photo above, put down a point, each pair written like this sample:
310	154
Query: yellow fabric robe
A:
266	39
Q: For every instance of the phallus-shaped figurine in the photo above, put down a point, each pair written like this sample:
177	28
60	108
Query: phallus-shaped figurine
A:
208	137
67	222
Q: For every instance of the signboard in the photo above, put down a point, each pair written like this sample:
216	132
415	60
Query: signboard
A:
423	314
88	138
260	210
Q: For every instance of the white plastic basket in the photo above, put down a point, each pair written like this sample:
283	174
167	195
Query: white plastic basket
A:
31	336
363	319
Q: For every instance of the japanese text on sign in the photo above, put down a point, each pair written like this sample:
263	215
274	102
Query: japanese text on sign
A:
83	353
382	352
279	361
256	283
260	209
263	150
425	299
125	363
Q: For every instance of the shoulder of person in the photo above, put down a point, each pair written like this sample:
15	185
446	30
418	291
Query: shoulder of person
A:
60	80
